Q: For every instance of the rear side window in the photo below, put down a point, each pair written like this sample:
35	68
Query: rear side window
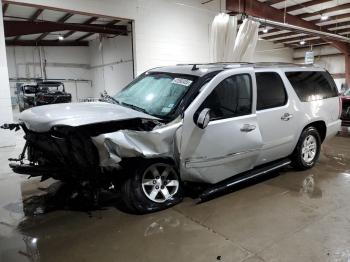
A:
271	91
231	98
311	86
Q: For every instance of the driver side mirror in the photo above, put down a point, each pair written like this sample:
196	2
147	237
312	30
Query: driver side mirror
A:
203	118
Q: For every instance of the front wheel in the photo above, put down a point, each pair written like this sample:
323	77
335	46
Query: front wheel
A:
307	150
153	186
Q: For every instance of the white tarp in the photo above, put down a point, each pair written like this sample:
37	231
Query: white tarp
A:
246	41
228	46
222	37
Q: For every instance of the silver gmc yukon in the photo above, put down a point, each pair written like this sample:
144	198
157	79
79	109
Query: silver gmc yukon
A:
217	124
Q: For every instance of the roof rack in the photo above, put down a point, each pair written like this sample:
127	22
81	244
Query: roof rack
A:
270	64
227	65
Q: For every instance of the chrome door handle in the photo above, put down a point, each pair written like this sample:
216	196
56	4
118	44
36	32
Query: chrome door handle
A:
286	116
247	128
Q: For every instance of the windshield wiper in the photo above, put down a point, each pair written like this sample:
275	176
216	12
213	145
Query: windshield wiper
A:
135	107
106	97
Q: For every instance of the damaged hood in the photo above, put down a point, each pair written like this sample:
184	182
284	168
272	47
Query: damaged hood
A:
43	118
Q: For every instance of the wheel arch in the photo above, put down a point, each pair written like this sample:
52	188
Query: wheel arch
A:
320	126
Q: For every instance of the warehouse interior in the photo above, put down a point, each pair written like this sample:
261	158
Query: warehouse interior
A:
85	61
96	48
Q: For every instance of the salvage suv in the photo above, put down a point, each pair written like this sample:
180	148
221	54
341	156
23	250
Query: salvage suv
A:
217	124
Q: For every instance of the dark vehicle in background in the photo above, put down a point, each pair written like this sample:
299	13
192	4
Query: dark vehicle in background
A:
345	116
42	93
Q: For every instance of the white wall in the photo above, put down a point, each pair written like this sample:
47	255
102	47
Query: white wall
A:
111	64
7	138
62	63
267	51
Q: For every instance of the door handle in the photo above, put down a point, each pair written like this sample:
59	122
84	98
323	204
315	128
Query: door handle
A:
247	128
286	116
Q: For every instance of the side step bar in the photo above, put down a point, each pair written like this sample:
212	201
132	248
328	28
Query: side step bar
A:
224	186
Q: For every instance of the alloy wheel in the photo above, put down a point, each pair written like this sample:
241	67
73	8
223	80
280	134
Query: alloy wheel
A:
160	182
309	149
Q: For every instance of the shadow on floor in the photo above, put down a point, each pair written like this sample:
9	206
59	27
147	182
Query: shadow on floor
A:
61	196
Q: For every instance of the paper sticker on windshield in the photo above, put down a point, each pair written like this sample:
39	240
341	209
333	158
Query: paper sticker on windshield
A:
181	81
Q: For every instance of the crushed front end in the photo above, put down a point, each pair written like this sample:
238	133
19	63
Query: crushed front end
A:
94	154
63	153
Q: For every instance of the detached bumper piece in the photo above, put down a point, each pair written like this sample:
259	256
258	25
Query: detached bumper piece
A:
33	171
227	185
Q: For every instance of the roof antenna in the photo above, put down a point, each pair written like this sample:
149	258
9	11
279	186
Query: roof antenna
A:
194	67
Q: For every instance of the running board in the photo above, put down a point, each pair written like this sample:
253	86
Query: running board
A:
225	185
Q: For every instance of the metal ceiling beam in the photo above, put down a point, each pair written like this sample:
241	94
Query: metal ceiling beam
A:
326	10
289	35
4	8
331	17
61	20
306	4
14	28
36	14
45	43
33	17
308	43
113	22
307	47
272	2
87	22
84	36
317	13
297	38
262	10
299	29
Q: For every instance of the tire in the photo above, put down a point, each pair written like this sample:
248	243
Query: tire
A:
153	186
307	151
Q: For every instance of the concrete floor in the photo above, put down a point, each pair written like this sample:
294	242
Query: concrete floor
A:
293	216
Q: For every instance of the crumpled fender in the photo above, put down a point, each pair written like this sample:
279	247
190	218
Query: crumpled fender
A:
159	142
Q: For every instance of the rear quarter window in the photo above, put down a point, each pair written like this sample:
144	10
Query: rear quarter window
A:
312	85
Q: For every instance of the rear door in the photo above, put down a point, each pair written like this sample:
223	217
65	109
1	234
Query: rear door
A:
231	142
275	115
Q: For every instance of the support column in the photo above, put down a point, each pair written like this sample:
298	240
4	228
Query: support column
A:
7	138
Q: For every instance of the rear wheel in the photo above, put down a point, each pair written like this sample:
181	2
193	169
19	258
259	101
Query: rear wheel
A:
307	150
153	186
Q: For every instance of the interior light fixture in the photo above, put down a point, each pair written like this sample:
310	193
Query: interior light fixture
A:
324	17
302	42
60	38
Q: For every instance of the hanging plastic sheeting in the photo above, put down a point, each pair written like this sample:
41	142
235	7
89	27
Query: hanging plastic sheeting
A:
246	41
222	38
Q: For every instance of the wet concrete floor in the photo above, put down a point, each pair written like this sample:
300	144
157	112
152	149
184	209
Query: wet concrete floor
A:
289	216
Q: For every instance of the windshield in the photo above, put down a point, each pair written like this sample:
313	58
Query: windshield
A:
157	94
347	92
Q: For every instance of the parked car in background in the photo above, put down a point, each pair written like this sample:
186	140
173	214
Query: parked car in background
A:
345	115
42	93
218	124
